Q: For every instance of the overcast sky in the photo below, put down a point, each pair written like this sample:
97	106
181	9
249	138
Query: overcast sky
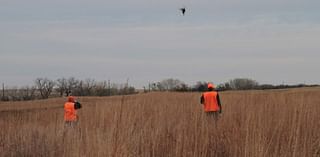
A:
271	41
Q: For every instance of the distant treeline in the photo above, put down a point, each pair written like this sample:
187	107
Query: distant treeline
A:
234	84
44	88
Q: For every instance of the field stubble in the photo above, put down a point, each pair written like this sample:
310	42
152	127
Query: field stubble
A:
253	124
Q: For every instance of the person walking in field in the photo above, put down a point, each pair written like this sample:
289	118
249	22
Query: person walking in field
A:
70	113
211	102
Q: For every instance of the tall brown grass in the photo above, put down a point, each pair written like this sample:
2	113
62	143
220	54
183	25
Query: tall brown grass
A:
253	124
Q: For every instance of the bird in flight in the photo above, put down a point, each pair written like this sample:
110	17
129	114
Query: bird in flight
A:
183	10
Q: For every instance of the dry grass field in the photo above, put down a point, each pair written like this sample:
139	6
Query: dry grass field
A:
271	123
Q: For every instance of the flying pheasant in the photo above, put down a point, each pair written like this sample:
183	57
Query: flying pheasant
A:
183	10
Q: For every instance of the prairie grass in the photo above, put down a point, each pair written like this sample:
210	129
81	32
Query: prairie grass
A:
163	124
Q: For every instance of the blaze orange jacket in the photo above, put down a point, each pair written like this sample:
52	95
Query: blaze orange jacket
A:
70	113
211	101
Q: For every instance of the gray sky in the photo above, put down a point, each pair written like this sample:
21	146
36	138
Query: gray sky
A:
271	41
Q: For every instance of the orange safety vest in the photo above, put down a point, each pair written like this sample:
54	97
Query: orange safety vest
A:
69	112
210	101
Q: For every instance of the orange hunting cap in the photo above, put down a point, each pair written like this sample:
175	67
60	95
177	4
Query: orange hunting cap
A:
71	98
210	85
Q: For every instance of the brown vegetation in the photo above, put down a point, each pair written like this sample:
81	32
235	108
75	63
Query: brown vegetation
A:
253	123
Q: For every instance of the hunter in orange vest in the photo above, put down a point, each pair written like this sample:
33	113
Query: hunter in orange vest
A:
211	101
70	107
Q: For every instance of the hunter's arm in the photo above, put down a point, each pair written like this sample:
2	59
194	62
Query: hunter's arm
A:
202	99
219	103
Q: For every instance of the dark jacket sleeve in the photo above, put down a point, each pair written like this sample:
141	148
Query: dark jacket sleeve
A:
77	105
219	103
202	99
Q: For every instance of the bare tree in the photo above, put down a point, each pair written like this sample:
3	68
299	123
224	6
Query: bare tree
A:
169	84
72	84
27	93
89	85
84	88
45	87
223	86
243	83
200	86
79	89
62	86
183	87
3	95
159	86
12	94
102	89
